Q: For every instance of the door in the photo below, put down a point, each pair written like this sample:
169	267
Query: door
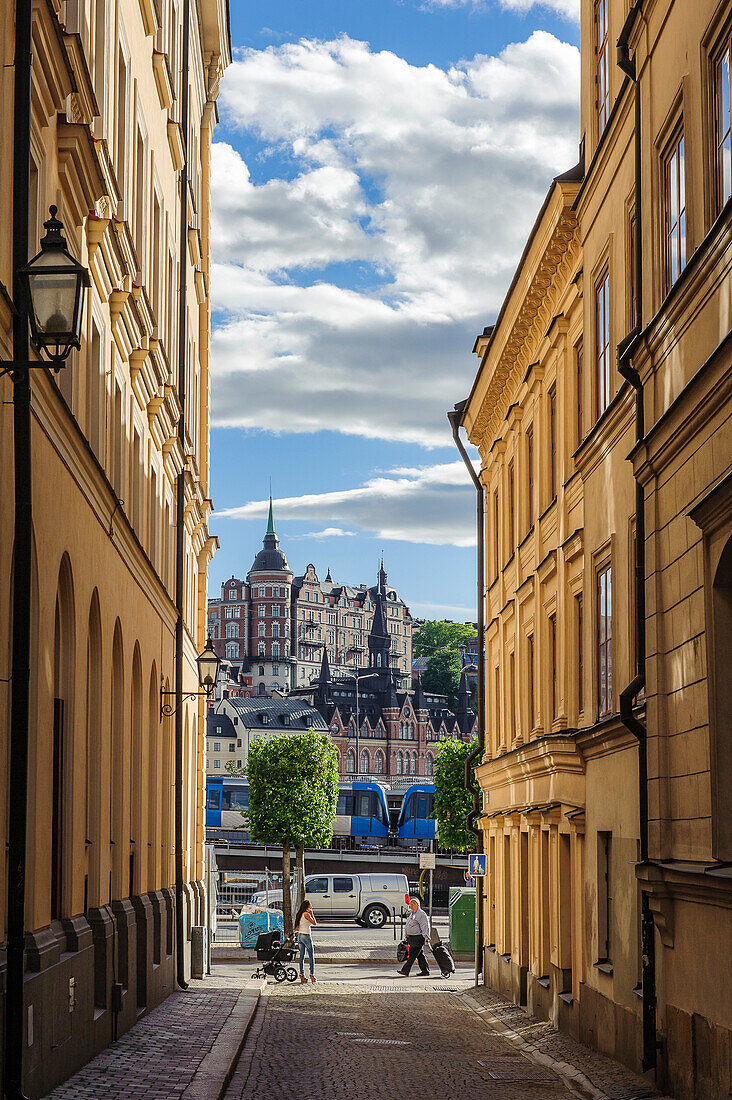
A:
345	896
317	892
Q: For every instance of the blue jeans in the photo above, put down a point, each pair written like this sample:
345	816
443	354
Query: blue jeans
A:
306	944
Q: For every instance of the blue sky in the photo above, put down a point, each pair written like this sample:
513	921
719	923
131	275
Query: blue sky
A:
376	169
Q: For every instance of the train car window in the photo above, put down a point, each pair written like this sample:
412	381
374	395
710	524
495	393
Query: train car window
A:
213	800
363	801
345	804
422	807
316	886
342	885
235	800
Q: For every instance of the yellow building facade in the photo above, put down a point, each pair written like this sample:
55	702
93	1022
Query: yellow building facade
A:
109	455
603	394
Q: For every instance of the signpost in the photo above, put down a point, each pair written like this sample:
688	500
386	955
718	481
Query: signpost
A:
427	862
477	865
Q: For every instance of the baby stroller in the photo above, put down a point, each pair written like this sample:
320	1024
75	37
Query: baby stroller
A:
274	955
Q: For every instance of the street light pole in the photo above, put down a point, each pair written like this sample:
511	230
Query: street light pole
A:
22	563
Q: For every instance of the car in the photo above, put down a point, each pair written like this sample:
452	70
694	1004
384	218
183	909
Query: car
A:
369	899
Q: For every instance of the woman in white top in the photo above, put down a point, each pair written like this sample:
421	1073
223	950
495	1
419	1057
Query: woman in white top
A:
304	922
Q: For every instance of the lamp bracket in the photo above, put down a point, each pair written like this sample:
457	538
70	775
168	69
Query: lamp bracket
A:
167	711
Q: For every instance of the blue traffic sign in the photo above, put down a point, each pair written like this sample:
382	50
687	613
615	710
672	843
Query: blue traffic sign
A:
476	864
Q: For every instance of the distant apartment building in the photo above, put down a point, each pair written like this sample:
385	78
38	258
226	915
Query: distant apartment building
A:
275	626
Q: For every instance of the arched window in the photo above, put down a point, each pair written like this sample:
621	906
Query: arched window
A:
428	764
261	670
401	729
350	762
379	763
364	762
399	763
63	732
262	689
414	764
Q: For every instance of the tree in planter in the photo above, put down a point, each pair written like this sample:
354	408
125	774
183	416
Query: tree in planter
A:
293	794
453	802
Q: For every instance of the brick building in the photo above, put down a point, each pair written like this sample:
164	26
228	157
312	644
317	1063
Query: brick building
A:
275	627
381	731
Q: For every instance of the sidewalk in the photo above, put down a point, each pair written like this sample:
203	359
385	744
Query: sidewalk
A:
187	1047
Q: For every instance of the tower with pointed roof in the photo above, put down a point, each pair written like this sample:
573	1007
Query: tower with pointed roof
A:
270	644
379	640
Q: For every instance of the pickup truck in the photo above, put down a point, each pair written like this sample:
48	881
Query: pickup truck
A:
368	899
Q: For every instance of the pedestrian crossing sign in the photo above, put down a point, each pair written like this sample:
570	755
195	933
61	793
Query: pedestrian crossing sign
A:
476	864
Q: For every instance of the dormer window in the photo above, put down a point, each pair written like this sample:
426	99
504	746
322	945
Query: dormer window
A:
264	718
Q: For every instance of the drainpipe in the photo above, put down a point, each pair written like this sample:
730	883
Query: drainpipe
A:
625	353
455	418
180	509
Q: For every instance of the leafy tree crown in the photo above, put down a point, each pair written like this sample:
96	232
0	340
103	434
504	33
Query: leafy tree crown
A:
293	789
453	801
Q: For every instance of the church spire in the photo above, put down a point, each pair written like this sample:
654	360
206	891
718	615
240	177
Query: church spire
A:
379	639
270	522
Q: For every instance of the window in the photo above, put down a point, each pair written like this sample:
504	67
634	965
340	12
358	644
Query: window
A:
428	764
262	610
217	763
602	65
604	897
342	885
217	746
261	670
631	268
497	702
530	475
262	591
553	666
231	629
316	886
364	762
674	189
580	656
496	540
604	641
232	747
232	650
511	507
511	709
275	649
532	706
276	592
553	442
276	672
579	362
602	342
275	609
275	630
399	763
261	630
261	651
723	120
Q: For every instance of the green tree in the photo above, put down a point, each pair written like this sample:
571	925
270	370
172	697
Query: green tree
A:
442	674
293	794
453	801
433	636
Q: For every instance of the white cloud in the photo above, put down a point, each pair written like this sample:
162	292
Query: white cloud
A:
568	9
424	181
430	504
456	613
328	533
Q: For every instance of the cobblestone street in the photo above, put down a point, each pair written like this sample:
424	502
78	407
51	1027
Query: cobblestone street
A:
390	1038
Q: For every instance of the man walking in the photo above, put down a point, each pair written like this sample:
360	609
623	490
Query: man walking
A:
417	930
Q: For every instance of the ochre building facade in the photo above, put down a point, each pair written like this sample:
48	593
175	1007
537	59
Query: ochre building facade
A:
109	455
604	395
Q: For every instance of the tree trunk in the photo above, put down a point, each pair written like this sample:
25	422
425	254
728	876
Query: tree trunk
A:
286	895
300	856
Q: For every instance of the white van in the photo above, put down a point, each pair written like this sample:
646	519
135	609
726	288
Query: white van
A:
369	899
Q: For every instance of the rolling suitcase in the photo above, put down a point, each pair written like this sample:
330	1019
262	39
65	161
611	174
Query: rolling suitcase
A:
443	958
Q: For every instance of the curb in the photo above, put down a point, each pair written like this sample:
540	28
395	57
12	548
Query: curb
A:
573	1078
213	1075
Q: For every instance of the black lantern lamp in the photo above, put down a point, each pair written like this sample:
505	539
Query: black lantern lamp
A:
209	664
54	285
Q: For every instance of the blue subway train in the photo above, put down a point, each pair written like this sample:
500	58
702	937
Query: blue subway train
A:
416	824
362	816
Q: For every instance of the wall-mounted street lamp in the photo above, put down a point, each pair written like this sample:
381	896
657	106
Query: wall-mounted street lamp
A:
208	673
48	294
54	284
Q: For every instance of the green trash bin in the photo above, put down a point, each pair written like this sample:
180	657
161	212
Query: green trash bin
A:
462	920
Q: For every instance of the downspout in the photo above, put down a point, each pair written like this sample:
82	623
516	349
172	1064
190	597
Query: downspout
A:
180	508
455	418
627	697
14	1009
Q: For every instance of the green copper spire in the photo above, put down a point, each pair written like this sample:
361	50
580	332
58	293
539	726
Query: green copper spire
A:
270	522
